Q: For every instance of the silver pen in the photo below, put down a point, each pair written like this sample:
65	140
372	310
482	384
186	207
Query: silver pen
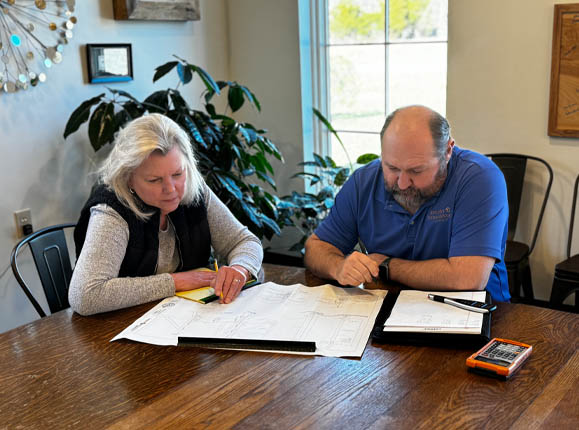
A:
467	305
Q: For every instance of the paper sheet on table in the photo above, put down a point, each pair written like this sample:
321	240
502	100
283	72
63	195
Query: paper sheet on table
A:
339	320
414	312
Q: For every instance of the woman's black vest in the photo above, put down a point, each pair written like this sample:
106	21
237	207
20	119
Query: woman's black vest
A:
193	239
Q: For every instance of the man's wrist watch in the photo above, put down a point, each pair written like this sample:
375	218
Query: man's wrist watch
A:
384	269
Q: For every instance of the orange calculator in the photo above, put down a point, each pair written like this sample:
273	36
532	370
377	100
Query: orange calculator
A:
500	358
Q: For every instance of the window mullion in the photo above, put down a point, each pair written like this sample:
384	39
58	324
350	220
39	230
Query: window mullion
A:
386	44
321	74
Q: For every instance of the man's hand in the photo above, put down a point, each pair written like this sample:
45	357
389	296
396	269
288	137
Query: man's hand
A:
327	261
358	268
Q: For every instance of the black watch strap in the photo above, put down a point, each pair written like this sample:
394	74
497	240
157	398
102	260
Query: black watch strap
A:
385	269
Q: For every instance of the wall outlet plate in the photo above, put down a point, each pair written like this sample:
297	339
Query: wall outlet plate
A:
23	220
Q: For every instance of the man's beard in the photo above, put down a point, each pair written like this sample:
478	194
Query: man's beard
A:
412	198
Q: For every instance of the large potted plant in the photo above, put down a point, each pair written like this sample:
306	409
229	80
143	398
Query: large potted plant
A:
232	155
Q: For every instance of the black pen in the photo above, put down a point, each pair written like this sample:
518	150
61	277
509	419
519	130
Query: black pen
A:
362	247
467	305
365	251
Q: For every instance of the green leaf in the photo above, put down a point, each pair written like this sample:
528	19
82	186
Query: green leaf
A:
101	126
209	82
251	97
123	94
134	109
329	161
271	148
332	130
251	214
256	102
179	102
185	73
191	127
269	208
210	109
252	135
309	163
230	185
266	178
80	115
325	192
244	133
157	102
163	70
306	175
121	118
341	176
366	158
235	98
321	162
267	221
247	172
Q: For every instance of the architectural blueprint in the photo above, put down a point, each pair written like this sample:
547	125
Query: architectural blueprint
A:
338	320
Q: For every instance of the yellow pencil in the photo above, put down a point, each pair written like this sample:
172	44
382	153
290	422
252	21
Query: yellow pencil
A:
217	270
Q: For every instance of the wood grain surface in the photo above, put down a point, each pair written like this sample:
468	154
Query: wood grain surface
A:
62	372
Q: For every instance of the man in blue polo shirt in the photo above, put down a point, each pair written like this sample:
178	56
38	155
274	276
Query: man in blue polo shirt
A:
432	216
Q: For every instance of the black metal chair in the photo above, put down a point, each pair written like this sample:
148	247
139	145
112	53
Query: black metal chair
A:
50	254
517	254
566	278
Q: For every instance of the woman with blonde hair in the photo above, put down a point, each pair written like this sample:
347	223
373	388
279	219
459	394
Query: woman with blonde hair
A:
150	220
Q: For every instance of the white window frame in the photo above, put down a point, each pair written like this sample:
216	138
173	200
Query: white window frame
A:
315	74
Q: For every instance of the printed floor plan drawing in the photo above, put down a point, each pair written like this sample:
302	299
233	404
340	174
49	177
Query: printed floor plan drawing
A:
338	320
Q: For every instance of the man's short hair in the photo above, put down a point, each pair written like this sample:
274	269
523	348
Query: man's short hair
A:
439	129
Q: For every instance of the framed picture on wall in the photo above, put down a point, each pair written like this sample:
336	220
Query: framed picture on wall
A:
564	98
109	62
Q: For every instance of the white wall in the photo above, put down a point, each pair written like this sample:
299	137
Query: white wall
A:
499	62
264	56
40	170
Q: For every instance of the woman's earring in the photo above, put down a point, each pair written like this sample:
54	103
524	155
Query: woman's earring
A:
132	191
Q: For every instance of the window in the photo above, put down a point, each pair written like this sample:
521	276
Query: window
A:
376	56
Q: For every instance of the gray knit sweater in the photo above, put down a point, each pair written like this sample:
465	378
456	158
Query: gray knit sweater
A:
95	286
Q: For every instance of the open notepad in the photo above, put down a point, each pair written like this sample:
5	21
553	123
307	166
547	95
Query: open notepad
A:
414	312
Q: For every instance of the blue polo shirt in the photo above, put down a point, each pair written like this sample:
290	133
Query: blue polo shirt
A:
468	216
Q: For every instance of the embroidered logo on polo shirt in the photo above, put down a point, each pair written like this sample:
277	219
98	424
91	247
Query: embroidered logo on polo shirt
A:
439	215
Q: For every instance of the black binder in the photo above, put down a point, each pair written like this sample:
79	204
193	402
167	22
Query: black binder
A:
433	339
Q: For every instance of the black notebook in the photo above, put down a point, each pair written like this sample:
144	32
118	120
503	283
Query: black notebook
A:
410	317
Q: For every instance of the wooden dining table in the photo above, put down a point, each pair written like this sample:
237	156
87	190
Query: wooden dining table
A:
63	372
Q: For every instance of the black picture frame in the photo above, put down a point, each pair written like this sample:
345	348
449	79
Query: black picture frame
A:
109	62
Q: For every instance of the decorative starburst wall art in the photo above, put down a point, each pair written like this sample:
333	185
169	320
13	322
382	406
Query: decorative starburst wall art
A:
32	38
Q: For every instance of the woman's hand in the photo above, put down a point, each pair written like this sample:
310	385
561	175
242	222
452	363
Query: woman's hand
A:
192	279
229	281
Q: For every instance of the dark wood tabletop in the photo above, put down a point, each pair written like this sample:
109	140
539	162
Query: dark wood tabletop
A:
63	372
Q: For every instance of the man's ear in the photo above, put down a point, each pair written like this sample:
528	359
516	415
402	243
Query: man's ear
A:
449	147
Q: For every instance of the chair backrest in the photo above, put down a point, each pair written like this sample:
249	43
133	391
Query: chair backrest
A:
514	167
52	260
571	223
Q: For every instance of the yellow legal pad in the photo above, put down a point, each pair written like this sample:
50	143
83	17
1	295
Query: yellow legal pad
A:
200	295
207	294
